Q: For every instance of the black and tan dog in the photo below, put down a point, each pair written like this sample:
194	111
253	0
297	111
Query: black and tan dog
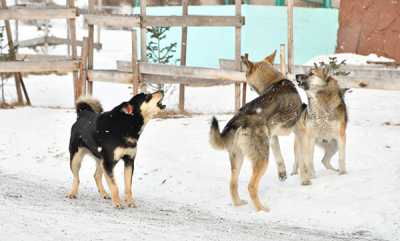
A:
109	137
247	134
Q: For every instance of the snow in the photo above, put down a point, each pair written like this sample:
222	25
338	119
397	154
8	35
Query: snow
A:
351	59
181	184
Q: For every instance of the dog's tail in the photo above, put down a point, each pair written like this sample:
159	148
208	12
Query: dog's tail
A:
88	103
216	140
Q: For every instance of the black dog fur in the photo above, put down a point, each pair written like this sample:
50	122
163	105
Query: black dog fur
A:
109	136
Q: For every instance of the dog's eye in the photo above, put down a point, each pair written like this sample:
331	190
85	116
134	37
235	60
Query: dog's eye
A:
148	98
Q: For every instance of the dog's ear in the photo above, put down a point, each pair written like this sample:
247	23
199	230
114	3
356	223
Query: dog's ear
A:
246	61
325	72
127	108
270	58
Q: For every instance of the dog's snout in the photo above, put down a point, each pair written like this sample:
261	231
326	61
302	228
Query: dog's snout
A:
300	79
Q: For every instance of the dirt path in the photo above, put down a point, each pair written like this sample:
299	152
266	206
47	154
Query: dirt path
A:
37	210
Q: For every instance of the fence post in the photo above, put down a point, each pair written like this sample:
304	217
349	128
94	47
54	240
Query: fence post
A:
90	47
238	44
11	50
81	84
143	41
72	38
290	36
283	60
185	6
135	66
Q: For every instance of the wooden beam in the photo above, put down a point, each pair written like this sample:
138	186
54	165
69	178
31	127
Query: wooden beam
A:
238	44
185	10
133	21
143	40
74	53
193	21
24	13
51	40
361	76
229	64
364	77
111	20
184	71
38	67
282	55
81	87
37	57
11	50
91	10
134	64
114	76
290	36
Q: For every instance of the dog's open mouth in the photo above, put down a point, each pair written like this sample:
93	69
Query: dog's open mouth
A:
161	105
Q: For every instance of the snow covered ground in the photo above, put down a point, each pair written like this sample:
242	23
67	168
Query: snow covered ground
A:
181	184
350	58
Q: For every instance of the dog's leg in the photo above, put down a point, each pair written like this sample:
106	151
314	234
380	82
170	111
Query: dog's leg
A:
108	166
330	150
310	159
297	154
128	173
259	168
75	165
303	148
342	149
98	176
236	165
276	149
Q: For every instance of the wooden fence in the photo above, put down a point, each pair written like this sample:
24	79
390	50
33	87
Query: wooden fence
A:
43	63
137	72
140	72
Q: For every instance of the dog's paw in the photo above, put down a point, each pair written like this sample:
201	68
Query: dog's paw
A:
342	172
240	203
117	205
306	182
262	209
282	176
104	196
130	203
333	169
71	195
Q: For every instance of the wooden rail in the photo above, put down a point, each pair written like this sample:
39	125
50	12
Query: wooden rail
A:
112	20
37	57
161	73
184	71
51	40
24	13
134	21
361	76
38	67
364	77
193	21
115	76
